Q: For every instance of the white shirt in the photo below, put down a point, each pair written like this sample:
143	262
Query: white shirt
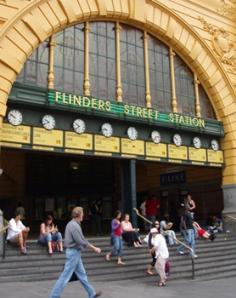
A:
14	228
160	242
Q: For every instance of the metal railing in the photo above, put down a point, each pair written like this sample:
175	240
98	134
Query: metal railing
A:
230	216
177	240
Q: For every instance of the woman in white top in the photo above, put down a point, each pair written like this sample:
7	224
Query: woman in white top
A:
129	233
162	254
17	233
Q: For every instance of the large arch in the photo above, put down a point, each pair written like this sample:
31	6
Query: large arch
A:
29	24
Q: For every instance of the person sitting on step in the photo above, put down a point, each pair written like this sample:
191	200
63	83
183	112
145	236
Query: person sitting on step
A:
17	233
129	233
49	234
165	229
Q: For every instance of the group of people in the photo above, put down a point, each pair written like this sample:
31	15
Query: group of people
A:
17	234
160	236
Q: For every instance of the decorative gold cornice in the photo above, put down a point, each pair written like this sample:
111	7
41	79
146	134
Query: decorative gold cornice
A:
51	45
147	76
228	8
118	67
221	43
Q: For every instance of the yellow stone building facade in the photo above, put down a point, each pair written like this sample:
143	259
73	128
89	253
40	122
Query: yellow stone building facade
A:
201	32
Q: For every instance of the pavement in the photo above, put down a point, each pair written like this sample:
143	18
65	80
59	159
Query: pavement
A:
126	289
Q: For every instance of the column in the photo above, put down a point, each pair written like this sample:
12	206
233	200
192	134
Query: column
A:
173	88
51	76
147	77
229	212
86	60
1	234
197	100
129	199
118	68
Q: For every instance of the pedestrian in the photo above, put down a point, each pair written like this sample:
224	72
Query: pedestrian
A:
165	229
96	216
161	253
189	232
116	240
190	203
152	209
150	246
130	234
75	243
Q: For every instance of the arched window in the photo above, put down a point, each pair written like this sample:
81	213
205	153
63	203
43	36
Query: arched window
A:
132	66
184	88
35	70
140	56
102	60
159	65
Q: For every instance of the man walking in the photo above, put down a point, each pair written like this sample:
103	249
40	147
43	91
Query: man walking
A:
74	244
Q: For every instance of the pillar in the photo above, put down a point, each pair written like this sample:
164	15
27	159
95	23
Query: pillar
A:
129	199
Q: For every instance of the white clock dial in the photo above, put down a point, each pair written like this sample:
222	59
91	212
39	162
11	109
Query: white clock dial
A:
156	137
107	130
197	142
132	133
215	145
48	122
79	126
177	139
15	117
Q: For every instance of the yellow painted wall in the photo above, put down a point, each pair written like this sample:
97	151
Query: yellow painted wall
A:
206	44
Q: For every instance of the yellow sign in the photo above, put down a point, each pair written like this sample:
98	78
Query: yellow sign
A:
157	150
197	154
107	144
45	137
215	156
76	141
178	152
132	147
18	134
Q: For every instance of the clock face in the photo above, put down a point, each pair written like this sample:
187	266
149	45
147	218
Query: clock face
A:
15	117
177	139
215	145
48	122
107	130
156	137
197	142
132	133
79	126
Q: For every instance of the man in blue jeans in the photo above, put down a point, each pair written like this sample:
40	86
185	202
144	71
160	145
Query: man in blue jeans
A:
74	244
189	232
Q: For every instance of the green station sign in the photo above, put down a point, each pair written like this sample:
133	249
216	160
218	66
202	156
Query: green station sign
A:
119	110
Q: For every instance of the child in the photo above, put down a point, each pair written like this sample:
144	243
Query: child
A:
203	233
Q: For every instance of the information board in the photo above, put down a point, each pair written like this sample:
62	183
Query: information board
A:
156	150
197	154
16	134
45	137
107	144
76	141
176	152
215	156
132	147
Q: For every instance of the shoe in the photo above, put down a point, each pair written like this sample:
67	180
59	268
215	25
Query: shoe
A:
108	257
148	272
181	252
98	294
121	263
195	256
23	252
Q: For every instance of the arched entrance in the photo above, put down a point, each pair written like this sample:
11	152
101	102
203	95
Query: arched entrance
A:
35	22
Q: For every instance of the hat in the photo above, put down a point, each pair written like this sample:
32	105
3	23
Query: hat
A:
154	230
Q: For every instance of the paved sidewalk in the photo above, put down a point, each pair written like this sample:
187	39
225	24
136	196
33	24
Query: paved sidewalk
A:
127	289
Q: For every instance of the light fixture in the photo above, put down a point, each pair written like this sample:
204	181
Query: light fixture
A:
1	171
74	165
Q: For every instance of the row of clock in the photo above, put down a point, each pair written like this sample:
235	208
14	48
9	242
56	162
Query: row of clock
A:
48	121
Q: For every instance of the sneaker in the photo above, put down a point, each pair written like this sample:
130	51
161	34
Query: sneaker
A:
195	256
98	294
181	252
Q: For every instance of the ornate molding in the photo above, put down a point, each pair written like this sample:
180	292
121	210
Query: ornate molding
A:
221	43
228	8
